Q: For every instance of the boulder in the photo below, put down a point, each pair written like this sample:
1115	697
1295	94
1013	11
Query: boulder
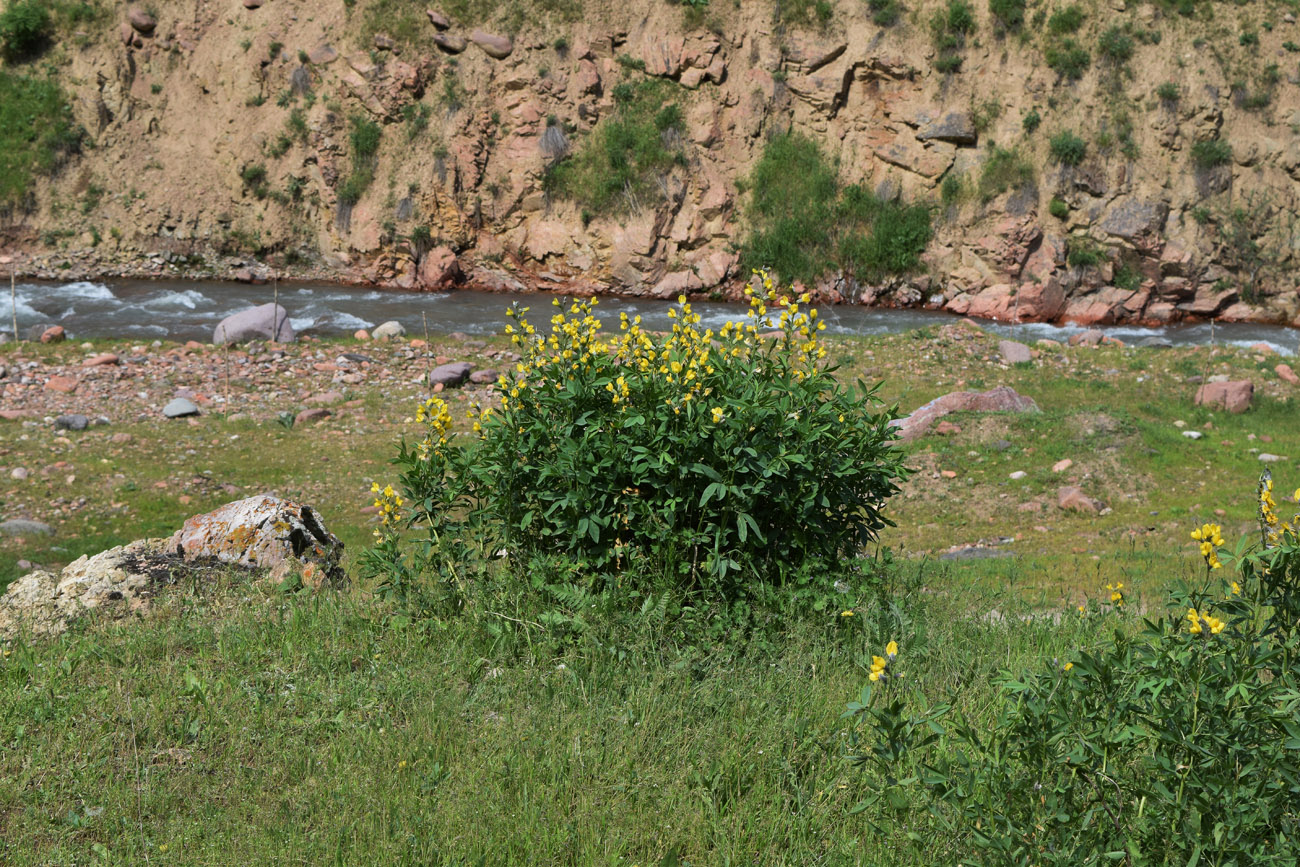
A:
1074	499
115	582
439	270
61	384
101	360
54	334
1013	352
1000	399
450	43
450	375
323	54
180	408
486	376
437	19
1091	337
1286	374
265	532
387	330
264	322
310	416
252	4
1131	219
956	126
1235	397
141	21
71	422
493	45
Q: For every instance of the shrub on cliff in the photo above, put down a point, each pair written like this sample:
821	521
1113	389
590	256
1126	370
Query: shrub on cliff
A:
804	224
719	463
618	166
24	28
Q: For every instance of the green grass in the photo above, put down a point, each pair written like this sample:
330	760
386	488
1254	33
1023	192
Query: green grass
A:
237	724
804	223
37	132
614	169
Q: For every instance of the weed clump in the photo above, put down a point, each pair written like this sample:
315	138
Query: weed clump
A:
37	133
1210	153
24	28
1067	148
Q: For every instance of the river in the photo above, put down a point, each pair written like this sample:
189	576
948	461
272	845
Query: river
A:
188	310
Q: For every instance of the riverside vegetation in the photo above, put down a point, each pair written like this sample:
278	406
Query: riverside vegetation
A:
622	693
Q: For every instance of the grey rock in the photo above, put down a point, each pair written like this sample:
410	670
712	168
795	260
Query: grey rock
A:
956	126
24	527
437	19
387	330
972	552
1155	343
450	375
180	408
264	322
71	422
141	21
1193	434
484	377
1268	458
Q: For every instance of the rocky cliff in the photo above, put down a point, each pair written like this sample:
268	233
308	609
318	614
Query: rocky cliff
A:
1097	161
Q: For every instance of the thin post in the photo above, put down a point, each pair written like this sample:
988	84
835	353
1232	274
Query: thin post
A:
13	298
275	308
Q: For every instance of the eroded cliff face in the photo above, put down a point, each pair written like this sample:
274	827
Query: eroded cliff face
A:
226	132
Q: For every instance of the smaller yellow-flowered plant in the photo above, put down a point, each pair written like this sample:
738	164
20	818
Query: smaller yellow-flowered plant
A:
880	664
436	418
388	502
848	612
1210	536
1236	589
1198	622
1116	594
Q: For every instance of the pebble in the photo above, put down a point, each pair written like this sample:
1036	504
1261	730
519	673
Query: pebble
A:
1018	475
948	474
19	473
1268	458
1193	434
71	422
1062	465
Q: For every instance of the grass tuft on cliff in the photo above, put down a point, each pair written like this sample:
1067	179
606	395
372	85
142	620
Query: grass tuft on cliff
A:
37	133
805	224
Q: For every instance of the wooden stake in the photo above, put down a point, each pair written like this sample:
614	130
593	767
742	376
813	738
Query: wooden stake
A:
13	297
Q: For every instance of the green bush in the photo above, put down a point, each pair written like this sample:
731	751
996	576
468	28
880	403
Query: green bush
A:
806	11
1058	209
1116	45
1065	20
1031	121
1067	148
1168	91
37	133
948	28
24	28
1210	153
721	464
885	12
1179	745
616	166
365	137
804	224
1010	14
1068	59
1082	252
1005	169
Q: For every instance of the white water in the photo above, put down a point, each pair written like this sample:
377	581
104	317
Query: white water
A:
180	310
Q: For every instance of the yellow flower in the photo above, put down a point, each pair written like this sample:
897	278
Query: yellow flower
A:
847	613
891	649
717	414
1116	594
1236	589
1068	666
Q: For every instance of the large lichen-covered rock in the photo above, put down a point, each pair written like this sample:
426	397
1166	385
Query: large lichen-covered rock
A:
1000	399
116	582
263	531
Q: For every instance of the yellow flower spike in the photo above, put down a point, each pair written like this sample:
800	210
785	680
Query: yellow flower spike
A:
891	649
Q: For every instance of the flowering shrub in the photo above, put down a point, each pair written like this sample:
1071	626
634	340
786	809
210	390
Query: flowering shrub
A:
1180	745
726	460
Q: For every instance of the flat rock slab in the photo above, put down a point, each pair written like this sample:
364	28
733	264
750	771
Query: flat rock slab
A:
24	527
1014	353
1000	399
71	422
180	408
263	531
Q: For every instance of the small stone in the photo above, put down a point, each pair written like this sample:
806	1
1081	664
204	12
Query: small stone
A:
1018	475
100	360
1193	434
71	422
498	47
19	473
1286	374
484	377
326	398
1268	458
121	439
361	334
450	375
1091	337
142	21
54	334
948	474
180	408
388	330
437	19
947	428
1062	465
1180	424
1075	499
